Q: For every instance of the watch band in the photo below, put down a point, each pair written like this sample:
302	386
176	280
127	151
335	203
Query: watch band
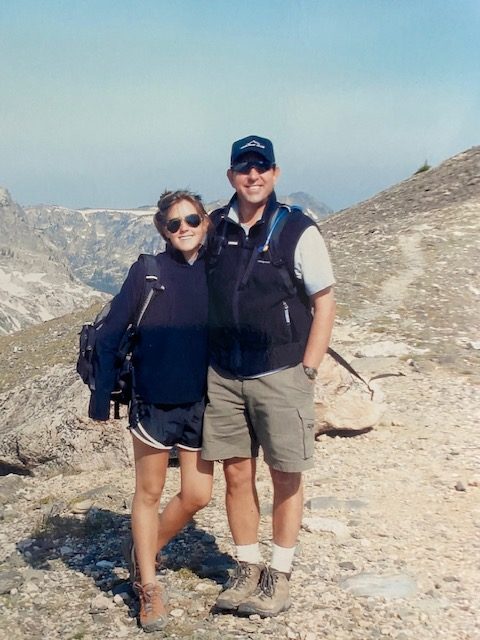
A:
310	372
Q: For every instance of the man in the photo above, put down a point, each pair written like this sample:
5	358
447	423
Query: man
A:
271	315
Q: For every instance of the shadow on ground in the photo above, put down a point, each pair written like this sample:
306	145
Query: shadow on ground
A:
91	544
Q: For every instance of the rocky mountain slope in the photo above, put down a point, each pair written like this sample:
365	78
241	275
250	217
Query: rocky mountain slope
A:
407	262
36	282
389	541
99	244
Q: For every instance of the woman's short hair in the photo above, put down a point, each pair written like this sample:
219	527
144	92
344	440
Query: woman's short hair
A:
170	198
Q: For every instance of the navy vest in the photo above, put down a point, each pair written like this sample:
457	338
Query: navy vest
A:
259	313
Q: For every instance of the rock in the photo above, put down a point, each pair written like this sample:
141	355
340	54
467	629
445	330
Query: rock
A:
460	486
81	507
322	502
385	348
330	525
386	586
9	485
105	564
50	429
342	402
356	504
29	587
9	580
99	603
66	550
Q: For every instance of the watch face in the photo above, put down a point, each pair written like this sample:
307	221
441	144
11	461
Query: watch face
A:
310	372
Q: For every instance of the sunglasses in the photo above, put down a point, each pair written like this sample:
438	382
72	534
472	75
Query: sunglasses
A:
174	224
244	166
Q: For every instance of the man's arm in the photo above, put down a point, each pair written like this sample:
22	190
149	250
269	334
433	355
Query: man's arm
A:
323	306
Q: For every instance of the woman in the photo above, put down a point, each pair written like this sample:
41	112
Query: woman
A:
170	364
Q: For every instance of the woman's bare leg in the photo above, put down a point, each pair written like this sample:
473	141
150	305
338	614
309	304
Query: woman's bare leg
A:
196	480
150	469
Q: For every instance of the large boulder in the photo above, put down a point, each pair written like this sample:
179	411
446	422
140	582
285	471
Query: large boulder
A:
43	426
343	402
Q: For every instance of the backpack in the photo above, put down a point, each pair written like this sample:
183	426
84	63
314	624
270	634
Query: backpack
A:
123	389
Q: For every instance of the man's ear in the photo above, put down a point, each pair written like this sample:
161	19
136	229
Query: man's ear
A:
230	177
276	173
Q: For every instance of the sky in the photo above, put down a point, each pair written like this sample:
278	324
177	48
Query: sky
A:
105	103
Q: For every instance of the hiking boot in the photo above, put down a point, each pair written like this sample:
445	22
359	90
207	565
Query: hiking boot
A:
153	614
271	596
242	583
128	551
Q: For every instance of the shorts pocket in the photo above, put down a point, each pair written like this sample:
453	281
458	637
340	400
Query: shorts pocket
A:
308	433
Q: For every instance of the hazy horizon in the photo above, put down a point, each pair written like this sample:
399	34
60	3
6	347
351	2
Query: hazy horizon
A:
105	104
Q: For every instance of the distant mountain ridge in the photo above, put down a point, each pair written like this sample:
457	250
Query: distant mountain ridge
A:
100	244
36	282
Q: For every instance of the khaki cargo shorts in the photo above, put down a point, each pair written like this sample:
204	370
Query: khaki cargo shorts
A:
274	412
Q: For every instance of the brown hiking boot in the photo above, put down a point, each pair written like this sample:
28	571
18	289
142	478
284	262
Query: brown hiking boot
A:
128	551
153	614
242	583
271	596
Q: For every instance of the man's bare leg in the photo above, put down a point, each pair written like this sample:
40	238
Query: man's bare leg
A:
287	507
243	513
243	509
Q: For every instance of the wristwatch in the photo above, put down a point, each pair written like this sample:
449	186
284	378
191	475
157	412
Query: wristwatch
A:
310	372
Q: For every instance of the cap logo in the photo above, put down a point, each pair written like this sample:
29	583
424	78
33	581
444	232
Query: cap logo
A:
253	143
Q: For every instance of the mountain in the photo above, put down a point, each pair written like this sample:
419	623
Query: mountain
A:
101	244
407	262
36	282
316	210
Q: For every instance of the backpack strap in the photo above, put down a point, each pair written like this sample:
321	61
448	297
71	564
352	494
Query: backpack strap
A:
151	285
341	361
275	225
150	288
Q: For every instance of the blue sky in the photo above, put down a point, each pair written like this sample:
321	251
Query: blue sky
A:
106	103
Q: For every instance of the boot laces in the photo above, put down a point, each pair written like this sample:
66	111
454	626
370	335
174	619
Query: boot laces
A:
267	583
241	575
148	595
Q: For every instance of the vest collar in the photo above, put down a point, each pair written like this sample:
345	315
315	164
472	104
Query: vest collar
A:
270	208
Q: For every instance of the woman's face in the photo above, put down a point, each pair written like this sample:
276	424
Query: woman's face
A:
187	238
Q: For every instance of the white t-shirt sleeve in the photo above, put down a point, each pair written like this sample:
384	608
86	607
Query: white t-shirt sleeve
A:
312	263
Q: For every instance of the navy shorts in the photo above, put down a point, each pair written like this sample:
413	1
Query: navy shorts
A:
164	426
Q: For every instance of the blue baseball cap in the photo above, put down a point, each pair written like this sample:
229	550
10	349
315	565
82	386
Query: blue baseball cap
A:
253	144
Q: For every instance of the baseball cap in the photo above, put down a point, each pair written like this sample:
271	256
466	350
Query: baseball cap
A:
253	144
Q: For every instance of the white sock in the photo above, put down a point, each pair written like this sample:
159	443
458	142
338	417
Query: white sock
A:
282	558
248	553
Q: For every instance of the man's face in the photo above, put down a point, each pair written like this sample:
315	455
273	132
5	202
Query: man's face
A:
255	186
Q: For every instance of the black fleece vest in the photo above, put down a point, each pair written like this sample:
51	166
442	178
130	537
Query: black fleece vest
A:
259	313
